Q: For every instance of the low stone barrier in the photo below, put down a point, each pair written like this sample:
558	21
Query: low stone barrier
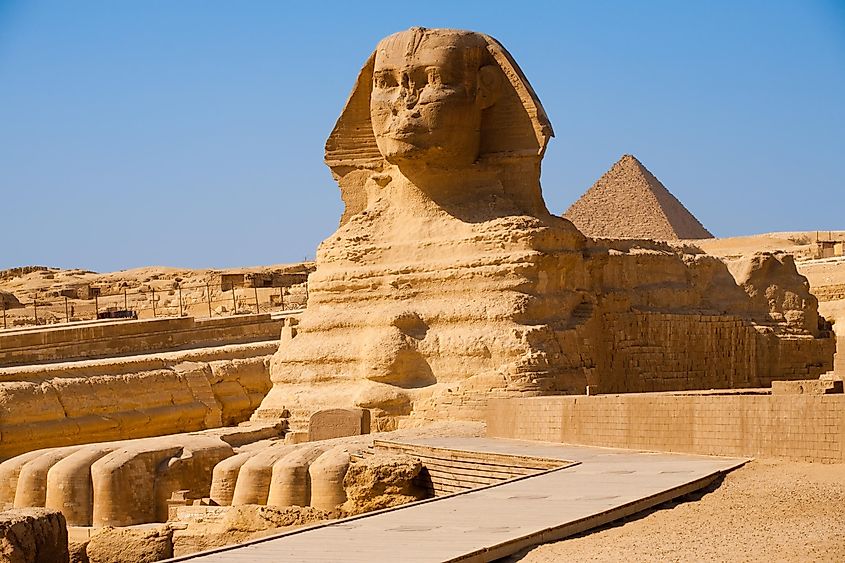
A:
808	427
120	338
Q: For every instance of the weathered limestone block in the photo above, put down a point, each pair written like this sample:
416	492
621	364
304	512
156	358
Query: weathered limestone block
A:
337	423
131	545
253	485
326	474
198	375
33	535
238	524
808	387
240	385
290	484
381	481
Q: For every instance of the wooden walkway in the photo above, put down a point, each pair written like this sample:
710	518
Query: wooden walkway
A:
499	520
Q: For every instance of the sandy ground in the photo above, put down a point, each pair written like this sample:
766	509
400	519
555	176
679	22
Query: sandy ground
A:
765	511
45	284
800	244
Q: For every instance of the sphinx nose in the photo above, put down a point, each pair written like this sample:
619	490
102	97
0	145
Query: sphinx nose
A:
409	92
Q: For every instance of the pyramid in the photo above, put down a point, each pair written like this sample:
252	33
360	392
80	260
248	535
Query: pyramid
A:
629	202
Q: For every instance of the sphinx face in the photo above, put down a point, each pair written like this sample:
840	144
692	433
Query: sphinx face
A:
423	107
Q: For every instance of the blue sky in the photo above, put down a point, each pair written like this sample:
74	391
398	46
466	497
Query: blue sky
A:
191	132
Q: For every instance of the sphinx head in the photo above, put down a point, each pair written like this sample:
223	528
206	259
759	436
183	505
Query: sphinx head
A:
440	99
429	90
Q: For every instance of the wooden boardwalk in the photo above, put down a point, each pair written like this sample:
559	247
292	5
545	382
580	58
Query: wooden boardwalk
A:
496	521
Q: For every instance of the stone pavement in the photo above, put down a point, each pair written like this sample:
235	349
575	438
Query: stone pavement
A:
499	520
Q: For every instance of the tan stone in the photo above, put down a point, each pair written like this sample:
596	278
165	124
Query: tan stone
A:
381	481
629	202
448	282
33	535
803	427
290	483
130	397
327	474
143	544
237	524
807	387
335	423
255	476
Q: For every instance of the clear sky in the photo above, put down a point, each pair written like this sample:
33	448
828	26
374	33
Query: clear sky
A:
191	132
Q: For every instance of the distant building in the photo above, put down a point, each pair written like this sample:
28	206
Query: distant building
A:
229	281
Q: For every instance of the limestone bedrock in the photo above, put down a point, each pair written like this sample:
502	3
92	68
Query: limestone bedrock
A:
449	282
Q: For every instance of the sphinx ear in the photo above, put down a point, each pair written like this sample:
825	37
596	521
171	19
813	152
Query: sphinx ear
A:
489	86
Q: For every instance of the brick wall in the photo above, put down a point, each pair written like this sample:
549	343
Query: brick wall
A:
801	427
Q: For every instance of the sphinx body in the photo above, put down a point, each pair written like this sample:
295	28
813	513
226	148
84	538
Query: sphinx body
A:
449	282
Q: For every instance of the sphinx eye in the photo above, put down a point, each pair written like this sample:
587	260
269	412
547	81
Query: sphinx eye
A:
384	80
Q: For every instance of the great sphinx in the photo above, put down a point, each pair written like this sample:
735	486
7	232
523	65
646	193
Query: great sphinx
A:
449	282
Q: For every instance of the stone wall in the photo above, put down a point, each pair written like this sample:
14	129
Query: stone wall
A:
132	397
119	338
649	351
800	427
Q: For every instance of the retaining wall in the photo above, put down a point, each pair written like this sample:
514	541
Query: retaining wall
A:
119	338
801	427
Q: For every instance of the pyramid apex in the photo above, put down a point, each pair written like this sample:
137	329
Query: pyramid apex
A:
628	201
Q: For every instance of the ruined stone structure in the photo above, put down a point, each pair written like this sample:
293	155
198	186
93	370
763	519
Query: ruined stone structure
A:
449	282
64	404
629	202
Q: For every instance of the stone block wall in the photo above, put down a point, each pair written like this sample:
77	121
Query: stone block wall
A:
91	340
800	427
676	352
138	396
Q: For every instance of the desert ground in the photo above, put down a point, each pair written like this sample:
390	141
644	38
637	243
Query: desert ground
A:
767	510
46	284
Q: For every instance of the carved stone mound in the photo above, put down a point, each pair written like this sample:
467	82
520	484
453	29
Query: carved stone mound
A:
449	282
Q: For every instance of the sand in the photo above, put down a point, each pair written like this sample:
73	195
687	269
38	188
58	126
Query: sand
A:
47	283
765	511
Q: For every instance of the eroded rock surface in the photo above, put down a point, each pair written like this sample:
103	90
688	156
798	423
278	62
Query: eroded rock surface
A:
130	545
33	535
381	481
448	281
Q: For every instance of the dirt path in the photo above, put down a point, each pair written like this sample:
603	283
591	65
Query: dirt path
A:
765	511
